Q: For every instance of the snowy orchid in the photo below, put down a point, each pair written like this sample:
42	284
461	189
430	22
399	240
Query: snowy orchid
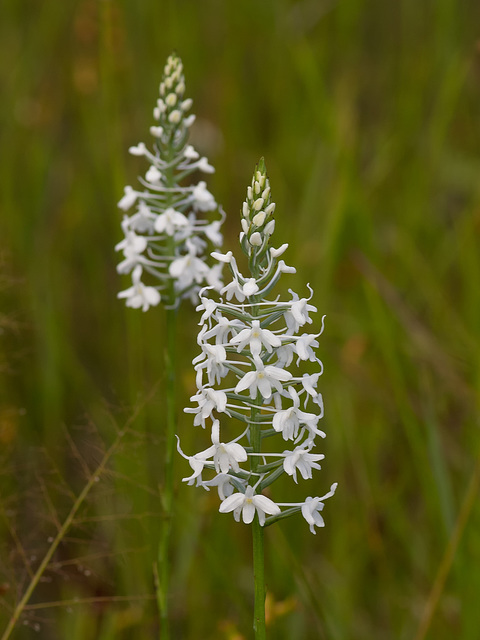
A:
169	232
250	352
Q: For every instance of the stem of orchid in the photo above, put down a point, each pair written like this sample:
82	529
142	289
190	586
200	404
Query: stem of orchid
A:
257	529
258	543
166	495
163	575
259	577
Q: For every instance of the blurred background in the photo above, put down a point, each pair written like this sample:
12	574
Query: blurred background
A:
367	114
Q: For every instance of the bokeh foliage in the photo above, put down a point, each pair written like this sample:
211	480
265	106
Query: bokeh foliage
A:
367	115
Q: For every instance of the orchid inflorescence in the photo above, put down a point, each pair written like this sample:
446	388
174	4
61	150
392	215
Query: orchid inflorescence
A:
168	234
249	344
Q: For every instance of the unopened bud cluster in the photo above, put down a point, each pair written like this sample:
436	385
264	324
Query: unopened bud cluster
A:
167	237
257	220
248	375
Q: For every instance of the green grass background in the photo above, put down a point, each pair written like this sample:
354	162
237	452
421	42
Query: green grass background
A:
367	113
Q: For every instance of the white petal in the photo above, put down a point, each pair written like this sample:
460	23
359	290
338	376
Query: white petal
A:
277	373
232	502
265	387
266	505
247	381
237	451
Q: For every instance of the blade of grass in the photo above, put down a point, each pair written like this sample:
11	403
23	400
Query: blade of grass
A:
450	552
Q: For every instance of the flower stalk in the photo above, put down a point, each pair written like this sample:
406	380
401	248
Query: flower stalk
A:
163	553
259	581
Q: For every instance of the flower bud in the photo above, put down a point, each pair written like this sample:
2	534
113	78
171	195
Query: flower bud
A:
156	131
139	150
175	117
255	239
259	219
269	228
153	174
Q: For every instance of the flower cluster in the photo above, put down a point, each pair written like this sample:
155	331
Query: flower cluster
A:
249	346
168	234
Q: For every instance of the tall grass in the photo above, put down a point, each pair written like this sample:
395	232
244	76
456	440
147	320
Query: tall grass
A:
366	113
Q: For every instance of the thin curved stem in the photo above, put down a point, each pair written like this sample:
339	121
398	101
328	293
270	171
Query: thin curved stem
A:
94	477
449	555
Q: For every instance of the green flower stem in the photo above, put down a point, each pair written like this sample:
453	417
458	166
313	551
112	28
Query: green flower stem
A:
257	534
259	578
163	571
257	529
162	576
